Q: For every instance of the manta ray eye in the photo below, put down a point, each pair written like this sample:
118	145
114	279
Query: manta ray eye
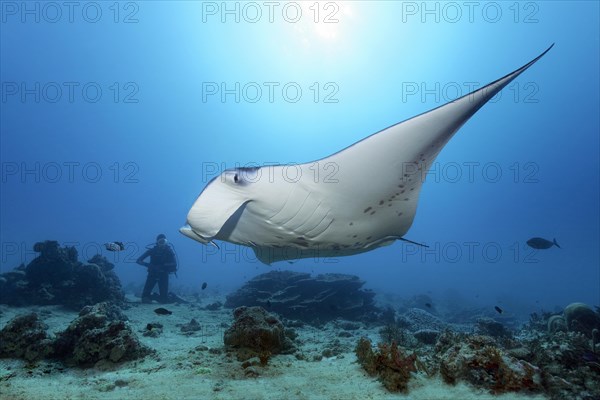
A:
236	179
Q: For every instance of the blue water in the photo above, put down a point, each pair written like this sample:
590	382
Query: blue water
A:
113	119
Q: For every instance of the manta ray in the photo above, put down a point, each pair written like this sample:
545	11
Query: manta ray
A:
356	200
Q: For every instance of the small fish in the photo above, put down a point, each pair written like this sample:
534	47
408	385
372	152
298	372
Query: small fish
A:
428	305
163	311
498	310
541	244
204	285
114	246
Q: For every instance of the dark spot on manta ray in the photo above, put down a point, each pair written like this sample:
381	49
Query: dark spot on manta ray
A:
368	237
381	202
400	186
411	189
390	204
368	209
351	223
402	191
372	212
406	199
354	236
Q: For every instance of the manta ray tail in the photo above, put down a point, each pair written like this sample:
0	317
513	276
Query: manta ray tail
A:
410	241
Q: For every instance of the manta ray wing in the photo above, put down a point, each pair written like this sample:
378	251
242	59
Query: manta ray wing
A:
370	202
380	177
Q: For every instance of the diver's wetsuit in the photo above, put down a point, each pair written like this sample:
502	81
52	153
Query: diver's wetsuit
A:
162	262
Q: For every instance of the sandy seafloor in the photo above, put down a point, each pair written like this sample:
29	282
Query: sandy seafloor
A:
195	366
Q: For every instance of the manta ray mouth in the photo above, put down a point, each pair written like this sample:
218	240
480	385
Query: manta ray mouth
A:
192	234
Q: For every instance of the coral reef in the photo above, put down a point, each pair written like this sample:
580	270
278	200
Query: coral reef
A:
299	296
416	319
25	337
390	363
427	336
366	356
537	321
257	332
544	356
493	328
477	360
570	367
13	286
100	333
581	318
395	330
557	323
57	277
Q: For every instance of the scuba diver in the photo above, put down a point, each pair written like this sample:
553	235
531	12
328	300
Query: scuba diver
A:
162	263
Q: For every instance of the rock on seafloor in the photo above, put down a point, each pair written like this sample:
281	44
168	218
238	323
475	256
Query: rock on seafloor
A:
56	276
25	337
100	333
257	330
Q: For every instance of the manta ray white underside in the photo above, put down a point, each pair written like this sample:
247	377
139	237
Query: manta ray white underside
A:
356	200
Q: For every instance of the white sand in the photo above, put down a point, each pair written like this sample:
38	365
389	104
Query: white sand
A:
175	372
